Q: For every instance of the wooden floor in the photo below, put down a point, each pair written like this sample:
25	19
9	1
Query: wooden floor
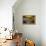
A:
9	43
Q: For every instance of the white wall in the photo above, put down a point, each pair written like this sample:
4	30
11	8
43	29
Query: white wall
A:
6	13
43	22
38	31
29	7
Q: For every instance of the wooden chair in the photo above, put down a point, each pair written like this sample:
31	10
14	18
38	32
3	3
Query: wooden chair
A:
29	43
18	39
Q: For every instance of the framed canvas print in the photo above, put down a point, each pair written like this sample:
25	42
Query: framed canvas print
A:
29	19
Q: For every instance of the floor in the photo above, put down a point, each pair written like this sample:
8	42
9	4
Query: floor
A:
9	43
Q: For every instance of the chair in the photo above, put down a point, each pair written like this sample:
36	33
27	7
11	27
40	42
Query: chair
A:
18	39
29	43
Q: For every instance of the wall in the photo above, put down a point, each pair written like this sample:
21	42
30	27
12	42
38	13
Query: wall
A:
6	13
6	16
28	7
43	22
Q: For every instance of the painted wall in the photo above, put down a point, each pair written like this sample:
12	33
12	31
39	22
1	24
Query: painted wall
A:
6	16
6	13
28	7
33	32
43	22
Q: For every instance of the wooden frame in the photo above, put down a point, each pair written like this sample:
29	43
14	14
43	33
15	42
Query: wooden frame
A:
29	19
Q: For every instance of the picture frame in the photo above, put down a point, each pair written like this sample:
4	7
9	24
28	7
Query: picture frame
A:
29	19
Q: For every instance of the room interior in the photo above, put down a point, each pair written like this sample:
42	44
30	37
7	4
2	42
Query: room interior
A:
22	23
